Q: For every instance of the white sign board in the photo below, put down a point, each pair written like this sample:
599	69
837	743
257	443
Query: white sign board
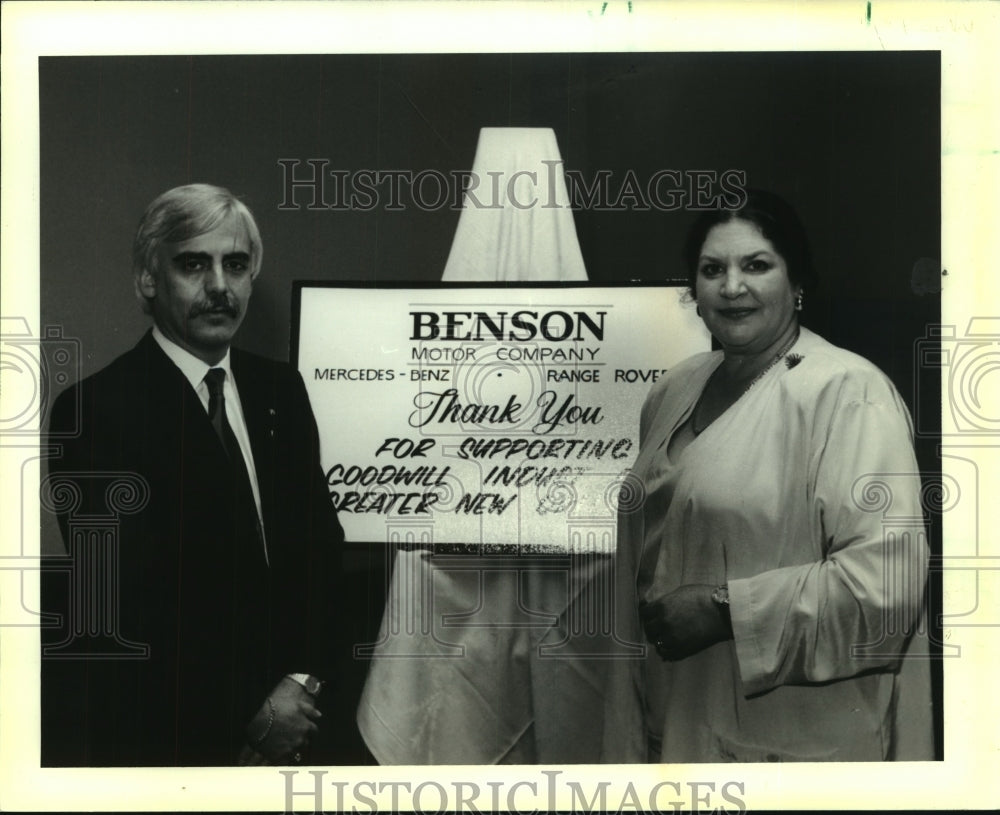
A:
488	416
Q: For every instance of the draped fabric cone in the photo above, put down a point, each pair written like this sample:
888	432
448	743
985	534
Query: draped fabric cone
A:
459	675
516	223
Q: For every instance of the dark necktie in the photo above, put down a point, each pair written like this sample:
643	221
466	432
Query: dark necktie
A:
215	379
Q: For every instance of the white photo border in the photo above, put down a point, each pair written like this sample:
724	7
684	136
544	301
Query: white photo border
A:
965	34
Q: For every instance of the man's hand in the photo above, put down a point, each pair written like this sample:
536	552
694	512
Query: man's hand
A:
295	718
684	622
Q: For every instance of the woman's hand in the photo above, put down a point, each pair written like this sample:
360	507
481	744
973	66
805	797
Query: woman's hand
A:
685	621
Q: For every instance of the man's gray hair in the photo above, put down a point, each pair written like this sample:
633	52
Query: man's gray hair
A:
184	213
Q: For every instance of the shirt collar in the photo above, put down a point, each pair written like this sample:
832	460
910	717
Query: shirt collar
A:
194	369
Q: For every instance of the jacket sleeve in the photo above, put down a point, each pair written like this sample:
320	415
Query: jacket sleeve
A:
70	730
854	608
72	435
318	594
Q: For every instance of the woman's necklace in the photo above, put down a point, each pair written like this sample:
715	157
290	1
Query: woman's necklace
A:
698	426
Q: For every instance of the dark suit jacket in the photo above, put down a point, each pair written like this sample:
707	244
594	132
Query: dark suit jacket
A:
222	626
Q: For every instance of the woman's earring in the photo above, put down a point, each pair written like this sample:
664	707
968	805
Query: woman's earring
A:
798	301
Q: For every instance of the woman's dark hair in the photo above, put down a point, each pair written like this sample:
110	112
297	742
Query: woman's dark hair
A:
776	220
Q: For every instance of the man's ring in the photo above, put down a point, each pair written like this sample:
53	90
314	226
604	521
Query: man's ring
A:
297	758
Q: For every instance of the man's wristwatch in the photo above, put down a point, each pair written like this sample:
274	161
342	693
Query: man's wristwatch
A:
312	685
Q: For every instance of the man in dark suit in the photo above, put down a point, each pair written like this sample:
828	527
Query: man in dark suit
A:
222	579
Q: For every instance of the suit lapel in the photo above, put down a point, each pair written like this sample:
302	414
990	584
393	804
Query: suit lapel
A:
169	395
176	418
167	391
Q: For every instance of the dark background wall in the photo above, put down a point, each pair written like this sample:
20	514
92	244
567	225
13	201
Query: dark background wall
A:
851	139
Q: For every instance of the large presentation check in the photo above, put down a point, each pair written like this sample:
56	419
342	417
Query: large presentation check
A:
486	415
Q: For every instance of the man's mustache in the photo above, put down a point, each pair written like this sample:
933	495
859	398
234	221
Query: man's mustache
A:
216	305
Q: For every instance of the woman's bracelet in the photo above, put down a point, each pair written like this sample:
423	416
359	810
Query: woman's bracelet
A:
270	721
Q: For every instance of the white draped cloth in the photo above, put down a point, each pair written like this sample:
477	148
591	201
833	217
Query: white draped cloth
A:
459	675
516	222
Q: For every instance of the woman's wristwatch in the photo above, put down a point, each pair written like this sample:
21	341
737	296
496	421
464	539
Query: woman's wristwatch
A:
720	599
